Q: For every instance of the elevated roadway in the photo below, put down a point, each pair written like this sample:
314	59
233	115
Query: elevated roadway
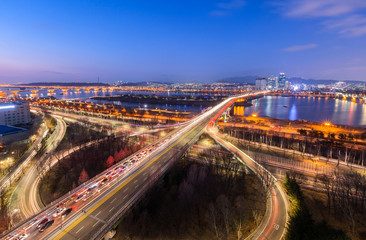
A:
92	218
23	162
273	225
19	198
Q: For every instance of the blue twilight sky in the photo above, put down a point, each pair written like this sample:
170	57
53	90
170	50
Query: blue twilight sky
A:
181	40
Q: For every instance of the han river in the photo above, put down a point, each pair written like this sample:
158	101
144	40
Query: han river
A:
336	111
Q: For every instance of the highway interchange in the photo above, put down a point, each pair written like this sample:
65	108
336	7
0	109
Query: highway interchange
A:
99	203
22	198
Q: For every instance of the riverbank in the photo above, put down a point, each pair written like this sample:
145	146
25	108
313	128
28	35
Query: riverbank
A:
204	101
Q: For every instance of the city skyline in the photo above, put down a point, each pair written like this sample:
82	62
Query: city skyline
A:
181	41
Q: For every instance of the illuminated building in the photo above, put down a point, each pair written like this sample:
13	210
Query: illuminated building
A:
288	85
14	113
281	81
260	83
273	83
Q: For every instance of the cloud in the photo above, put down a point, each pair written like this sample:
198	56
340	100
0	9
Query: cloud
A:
356	68
226	8
299	48
323	8
345	17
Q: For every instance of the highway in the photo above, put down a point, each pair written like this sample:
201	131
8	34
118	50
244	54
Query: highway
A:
20	198
23	162
103	121
324	160
25	197
115	190
273	226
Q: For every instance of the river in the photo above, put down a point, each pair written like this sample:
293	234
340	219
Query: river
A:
336	111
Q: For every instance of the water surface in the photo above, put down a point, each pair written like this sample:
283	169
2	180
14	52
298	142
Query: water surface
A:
337	111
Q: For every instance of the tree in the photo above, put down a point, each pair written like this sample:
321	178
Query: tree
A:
83	176
350	136
110	161
342	136
331	135
116	155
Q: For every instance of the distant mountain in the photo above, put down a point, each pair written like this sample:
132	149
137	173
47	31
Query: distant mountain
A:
67	84
297	80
245	79
293	80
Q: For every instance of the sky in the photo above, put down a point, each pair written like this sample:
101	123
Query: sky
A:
181	40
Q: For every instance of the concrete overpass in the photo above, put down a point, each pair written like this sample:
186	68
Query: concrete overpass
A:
92	218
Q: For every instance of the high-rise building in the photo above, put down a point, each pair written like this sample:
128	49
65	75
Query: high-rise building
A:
288	85
273	83
260	83
14	113
281	81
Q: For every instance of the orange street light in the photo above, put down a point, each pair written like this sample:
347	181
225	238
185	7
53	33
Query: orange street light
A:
254	115
327	124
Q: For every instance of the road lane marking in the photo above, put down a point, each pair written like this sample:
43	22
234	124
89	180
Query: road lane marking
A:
110	210
98	213
95	223
113	200
96	206
79	230
125	190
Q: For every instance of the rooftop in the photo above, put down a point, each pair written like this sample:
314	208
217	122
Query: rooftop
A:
7	130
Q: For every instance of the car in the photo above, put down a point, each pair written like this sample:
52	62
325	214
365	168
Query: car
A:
79	197
59	205
103	181
59	211
108	173
116	169
67	211
93	187
43	221
132	161
21	237
46	225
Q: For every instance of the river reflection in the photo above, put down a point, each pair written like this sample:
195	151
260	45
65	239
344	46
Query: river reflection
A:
310	108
